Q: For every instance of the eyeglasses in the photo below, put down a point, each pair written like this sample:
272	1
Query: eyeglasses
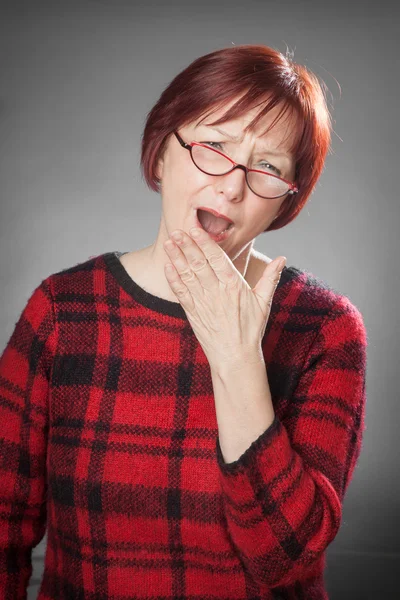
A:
214	162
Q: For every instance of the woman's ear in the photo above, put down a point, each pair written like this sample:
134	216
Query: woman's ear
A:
160	168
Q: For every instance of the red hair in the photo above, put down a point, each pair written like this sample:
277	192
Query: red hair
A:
260	75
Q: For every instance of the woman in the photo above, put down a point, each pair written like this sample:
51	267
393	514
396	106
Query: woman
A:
190	432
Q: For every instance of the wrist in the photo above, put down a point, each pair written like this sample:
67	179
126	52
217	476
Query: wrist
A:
239	363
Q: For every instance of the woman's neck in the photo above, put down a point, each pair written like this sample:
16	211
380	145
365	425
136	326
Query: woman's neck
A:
148	271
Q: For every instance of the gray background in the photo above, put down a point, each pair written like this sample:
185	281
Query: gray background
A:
77	80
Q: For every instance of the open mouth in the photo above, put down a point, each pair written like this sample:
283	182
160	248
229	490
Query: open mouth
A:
212	224
217	228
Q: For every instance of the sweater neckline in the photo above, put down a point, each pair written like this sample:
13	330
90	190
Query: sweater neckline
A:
140	295
148	300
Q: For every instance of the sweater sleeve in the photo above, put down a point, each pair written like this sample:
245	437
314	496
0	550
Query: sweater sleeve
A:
283	497
25	366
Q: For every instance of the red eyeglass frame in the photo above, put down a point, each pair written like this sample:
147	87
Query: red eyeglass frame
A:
293	189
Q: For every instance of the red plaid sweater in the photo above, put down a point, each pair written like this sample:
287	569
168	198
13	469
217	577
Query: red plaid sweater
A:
109	439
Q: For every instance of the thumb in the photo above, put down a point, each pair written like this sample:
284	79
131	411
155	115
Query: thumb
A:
268	282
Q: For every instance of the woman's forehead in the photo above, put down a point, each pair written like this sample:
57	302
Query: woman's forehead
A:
280	132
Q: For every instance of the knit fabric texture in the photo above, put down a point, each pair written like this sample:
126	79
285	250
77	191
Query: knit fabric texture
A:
109	444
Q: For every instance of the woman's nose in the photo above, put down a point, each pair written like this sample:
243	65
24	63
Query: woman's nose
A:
233	183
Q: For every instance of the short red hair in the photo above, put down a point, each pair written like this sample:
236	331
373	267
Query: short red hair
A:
260	75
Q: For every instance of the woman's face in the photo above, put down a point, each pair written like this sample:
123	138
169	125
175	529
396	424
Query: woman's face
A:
184	187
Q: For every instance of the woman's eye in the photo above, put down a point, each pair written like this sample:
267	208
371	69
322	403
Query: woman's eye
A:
269	166
263	164
213	144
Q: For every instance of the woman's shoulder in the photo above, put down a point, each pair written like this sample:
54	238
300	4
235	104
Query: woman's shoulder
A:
85	265
308	294
78	277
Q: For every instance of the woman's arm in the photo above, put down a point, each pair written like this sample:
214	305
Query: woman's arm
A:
243	405
25	367
283	495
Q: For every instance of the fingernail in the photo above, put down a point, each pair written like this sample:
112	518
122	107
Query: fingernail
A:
280	264
195	232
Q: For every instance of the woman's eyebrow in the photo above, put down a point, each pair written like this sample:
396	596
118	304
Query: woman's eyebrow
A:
222	132
237	139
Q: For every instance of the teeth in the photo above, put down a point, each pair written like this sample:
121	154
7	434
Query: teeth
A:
226	229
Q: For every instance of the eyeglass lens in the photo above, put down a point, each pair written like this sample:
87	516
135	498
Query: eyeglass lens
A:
206	159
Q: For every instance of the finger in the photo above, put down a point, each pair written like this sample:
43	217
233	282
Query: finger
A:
220	263
197	271
178	287
187	278
267	284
